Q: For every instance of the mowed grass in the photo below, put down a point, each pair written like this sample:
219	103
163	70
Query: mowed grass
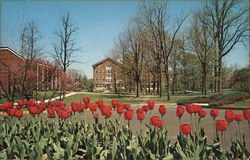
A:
241	104
41	95
131	99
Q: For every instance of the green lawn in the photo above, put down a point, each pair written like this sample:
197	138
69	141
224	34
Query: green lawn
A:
41	95
46	95
123	99
241	104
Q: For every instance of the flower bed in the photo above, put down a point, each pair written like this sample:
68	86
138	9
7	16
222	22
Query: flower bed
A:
58	134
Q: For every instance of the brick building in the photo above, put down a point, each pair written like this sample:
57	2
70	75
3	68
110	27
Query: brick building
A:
39	73
106	75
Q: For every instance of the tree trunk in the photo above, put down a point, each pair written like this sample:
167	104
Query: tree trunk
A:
154	85
193	86
215	77
204	79
220	76
149	85
137	88
160	86
167	81
157	87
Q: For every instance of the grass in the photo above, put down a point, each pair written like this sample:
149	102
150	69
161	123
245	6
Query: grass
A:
240	104
46	95
123	98
41	95
230	99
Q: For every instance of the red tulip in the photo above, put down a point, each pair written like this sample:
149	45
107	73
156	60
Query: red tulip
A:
33	110
8	105
145	108
21	103
52	103
106	111
185	129
162	109
140	116
11	111
86	100
159	124
81	107
31	102
128	115
214	113
119	109
100	103
74	106
139	110
190	108
64	114
221	125
2	108
229	115
126	106
42	105
114	102
151	104
246	114
180	111
18	113
18	107
238	117
202	113
197	108
110	107
50	110
95	116
93	107
154	120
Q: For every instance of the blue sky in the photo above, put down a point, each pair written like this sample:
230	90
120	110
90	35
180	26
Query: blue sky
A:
99	24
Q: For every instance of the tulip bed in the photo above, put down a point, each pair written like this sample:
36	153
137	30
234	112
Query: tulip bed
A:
54	131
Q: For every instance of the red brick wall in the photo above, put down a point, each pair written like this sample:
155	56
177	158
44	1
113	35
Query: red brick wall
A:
12	65
100	75
9	59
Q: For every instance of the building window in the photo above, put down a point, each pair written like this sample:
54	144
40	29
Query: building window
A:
96	71
100	71
96	85
103	71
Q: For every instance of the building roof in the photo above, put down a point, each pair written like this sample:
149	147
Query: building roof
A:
12	51
104	60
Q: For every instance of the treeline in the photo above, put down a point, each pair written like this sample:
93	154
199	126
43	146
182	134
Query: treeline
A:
161	55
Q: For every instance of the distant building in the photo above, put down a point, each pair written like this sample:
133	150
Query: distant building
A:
106	75
40	73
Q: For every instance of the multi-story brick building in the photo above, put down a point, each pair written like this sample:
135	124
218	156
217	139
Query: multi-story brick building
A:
38	73
106	75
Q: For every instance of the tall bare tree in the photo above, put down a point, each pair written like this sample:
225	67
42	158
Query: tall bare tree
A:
30	41
66	47
202	45
174	62
228	24
31	50
154	17
135	37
